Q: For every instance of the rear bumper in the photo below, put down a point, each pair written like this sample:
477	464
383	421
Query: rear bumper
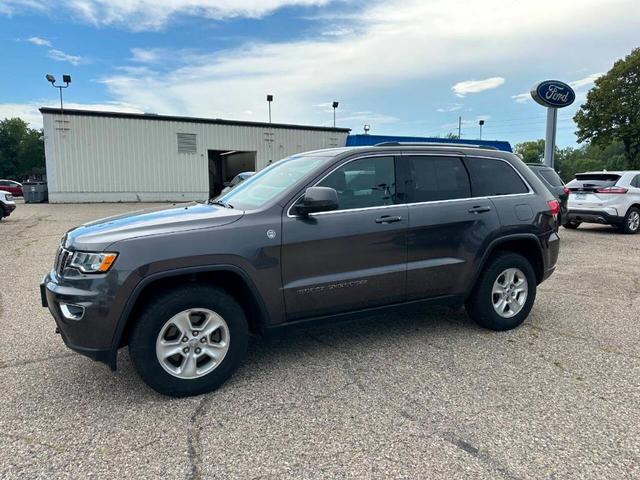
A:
594	216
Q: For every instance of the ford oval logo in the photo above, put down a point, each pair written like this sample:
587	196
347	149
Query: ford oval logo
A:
553	93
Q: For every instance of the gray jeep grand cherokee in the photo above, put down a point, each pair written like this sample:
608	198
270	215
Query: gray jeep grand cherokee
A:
320	235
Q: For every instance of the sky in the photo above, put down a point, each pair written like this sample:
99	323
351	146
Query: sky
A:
404	67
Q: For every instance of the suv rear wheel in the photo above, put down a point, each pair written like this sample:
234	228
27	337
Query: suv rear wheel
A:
504	293
631	222
189	341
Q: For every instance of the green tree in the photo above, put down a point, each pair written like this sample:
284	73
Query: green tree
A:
612	109
21	149
532	152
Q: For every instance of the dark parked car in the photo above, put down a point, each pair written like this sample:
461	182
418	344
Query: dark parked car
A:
555	185
316	236
11	186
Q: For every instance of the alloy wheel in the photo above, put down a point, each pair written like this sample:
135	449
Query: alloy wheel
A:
192	343
509	292
633	221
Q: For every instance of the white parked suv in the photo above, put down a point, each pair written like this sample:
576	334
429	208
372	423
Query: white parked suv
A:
611	198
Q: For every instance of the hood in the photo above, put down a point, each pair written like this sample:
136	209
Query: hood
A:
99	234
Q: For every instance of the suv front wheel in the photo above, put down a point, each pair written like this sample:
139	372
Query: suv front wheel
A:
189	340
504	293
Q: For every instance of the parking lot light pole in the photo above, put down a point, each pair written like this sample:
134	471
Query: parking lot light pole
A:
481	123
334	105
269	100
66	79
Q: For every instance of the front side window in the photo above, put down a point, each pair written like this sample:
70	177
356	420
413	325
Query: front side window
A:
363	183
493	177
439	178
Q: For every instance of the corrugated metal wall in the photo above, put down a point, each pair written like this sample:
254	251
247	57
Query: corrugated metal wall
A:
110	159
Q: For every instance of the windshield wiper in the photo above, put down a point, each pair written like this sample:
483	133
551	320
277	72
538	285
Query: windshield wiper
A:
220	202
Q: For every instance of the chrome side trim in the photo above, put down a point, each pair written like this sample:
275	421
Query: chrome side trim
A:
433	202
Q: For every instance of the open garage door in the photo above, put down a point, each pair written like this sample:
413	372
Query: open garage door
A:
226	164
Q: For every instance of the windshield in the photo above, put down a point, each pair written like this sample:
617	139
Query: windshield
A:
267	184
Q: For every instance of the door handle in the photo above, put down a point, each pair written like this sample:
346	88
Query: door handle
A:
388	219
479	209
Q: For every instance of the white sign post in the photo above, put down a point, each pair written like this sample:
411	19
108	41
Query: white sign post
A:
552	94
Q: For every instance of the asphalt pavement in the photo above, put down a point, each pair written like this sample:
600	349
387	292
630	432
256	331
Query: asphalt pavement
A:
424	394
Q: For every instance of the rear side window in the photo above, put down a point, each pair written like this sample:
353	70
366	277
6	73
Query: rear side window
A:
594	180
493	177
439	178
552	177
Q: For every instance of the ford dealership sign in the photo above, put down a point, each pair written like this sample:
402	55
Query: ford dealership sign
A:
553	94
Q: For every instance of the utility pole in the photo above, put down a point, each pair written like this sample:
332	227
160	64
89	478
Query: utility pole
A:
460	127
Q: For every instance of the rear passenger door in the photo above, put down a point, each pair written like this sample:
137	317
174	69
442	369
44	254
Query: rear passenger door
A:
511	196
447	226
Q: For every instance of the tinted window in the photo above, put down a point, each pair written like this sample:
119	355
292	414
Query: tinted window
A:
493	177
369	182
594	180
439	179
551	176
636	181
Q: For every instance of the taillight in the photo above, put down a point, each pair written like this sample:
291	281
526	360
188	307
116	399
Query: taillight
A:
554	206
566	190
612	190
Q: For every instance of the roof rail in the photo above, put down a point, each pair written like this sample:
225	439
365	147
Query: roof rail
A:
433	144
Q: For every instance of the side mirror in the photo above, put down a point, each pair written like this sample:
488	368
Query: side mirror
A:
316	199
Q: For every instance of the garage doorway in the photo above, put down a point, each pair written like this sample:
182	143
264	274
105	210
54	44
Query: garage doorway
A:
226	164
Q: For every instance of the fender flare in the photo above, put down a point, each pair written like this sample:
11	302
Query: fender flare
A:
142	284
496	243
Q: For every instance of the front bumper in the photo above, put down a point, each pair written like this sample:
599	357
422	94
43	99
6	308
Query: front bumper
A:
602	217
8	208
90	333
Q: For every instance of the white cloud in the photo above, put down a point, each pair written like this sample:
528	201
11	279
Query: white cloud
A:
61	56
41	42
522	97
452	107
54	53
588	80
29	111
462	89
154	14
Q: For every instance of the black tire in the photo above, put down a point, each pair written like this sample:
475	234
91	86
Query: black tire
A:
571	225
629	226
479	305
147	327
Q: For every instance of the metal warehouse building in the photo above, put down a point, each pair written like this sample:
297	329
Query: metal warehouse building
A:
122	157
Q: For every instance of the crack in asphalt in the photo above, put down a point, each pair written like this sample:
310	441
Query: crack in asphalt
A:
193	440
36	360
438	430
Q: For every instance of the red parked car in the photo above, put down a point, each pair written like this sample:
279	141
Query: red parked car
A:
11	186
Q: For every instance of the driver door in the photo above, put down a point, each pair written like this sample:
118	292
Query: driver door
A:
351	258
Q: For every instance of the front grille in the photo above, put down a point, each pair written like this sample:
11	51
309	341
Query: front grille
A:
62	259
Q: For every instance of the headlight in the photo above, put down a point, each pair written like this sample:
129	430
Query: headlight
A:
9	198
88	262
